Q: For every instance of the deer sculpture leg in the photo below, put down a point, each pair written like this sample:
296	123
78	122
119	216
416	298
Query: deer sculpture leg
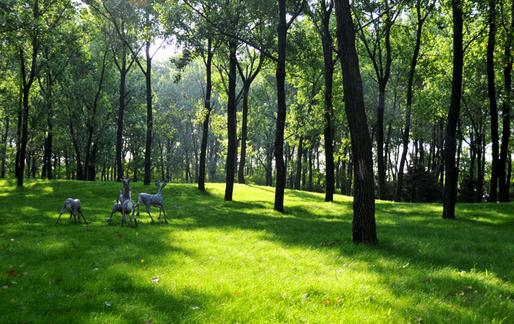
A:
148	211
60	214
84	218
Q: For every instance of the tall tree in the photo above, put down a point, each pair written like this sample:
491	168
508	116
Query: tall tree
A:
231	121
381	59
503	179
410	84
363	224
280	75
450	183
493	109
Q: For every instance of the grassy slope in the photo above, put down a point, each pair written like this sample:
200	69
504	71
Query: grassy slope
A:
240	261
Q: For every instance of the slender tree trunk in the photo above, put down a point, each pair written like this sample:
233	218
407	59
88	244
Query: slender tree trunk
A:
207	107
410	84
493	110
506	110
299	154
363	224
450	184
4	146
231	123
27	81
281	108
121	113
326	40
149	116
244	134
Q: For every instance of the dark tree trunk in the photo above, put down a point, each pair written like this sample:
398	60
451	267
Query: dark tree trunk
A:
90	161
231	123
207	107
326	40
281	108
410	83
450	184
363	225
244	135
4	146
149	116
299	154
493	110
121	113
27	81
18	132
507	80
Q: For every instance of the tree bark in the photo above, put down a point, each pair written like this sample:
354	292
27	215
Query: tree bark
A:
207	107
507	81
363	224
493	109
410	84
327	44
231	123
4	146
280	74
121	113
450	184
299	154
149	116
27	81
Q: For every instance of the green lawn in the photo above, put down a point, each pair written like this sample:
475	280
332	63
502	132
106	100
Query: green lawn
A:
218	262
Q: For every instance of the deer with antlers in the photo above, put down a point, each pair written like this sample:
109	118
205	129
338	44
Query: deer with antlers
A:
155	200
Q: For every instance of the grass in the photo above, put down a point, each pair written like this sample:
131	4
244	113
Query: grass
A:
239	261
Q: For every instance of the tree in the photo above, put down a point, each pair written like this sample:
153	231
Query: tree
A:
450	183
410	84
363	224
280	75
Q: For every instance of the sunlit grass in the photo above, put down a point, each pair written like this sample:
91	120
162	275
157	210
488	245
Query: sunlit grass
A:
242	262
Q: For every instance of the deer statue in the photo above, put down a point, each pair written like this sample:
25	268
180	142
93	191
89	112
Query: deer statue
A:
150	200
73	206
117	206
124	204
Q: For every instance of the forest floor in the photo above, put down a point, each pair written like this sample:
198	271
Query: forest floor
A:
219	262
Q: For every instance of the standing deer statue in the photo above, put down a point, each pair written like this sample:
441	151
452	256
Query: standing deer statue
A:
73	206
150	200
124	204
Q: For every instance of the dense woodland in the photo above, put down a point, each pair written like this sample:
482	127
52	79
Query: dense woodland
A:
398	100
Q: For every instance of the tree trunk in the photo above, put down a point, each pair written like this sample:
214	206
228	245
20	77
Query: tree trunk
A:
207	107
299	154
326	40
4	146
149	116
363	224
231	123
493	110
27	81
410	84
507	80
244	134
121	113
281	108
450	184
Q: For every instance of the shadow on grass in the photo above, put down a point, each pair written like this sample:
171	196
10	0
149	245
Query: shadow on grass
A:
412	235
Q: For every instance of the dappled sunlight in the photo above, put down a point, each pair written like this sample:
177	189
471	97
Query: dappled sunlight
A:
216	258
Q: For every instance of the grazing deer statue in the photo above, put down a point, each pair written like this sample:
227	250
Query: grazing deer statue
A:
150	200
73	206
117	206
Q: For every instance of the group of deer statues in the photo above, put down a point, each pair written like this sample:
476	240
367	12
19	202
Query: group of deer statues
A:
123	204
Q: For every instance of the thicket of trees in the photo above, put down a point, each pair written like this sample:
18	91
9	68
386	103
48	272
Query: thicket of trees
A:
319	95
